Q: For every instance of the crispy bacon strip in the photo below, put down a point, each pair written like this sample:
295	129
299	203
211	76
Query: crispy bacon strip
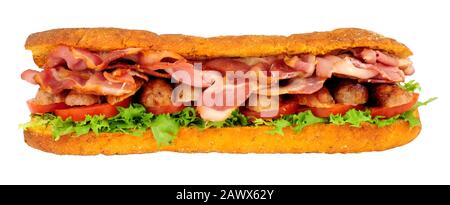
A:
353	68
55	80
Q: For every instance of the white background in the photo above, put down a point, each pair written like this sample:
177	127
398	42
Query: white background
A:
423	26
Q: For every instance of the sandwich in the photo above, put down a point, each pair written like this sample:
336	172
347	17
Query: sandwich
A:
116	91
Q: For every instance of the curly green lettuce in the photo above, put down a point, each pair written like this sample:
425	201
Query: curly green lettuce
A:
411	86
296	121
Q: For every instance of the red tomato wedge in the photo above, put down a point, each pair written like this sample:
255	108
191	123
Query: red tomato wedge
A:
165	109
288	108
124	103
285	108
40	109
335	109
79	113
388	112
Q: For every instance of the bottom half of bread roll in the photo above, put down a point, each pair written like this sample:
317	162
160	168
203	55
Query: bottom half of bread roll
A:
316	138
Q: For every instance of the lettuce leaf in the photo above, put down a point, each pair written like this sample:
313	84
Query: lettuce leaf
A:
38	121
259	122
380	122
188	117
297	121
356	117
278	126
411	86
61	127
409	115
164	129
236	119
353	117
303	119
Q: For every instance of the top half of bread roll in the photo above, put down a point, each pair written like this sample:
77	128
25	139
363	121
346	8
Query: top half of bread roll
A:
194	48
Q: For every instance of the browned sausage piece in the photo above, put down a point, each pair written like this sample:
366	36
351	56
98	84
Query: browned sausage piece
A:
350	93
45	98
78	99
390	95
319	99
156	92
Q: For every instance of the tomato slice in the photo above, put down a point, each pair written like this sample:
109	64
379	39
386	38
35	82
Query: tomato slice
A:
335	109
388	112
286	108
124	103
289	107
165	109
40	109
79	113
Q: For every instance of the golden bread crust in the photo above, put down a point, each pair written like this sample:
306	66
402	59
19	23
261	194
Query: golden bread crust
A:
317	138
192	47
